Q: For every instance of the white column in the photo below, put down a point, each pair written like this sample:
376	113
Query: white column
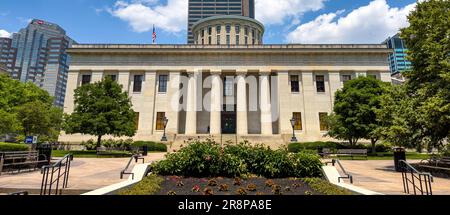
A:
216	103
335	84
266	109
191	109
285	103
242	118
72	84
124	80
148	99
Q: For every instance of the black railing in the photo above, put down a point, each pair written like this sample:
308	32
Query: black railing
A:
415	182
136	157
347	175
56	176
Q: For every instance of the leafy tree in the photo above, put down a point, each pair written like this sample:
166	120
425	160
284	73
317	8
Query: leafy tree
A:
27	109
428	87
355	107
101	109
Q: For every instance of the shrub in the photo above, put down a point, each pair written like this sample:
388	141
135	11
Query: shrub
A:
10	147
148	186
314	147
152	146
208	159
89	145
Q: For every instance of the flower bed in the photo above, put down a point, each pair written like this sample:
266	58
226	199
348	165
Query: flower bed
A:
175	185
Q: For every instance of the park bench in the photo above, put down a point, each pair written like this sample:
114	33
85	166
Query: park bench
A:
20	160
326	153
352	153
108	151
437	161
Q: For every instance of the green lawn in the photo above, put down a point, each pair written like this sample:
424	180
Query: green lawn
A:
390	156
89	154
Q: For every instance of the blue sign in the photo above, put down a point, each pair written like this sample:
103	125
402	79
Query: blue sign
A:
29	139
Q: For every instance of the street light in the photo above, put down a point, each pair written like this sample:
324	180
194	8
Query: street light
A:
165	121
293	121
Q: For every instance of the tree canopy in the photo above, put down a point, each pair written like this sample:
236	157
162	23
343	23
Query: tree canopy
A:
101	109
355	107
28	110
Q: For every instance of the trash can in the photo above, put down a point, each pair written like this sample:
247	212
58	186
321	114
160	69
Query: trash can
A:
45	153
145	150
399	154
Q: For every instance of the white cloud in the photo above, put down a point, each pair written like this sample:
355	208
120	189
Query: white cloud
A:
372	23
272	12
143	14
4	33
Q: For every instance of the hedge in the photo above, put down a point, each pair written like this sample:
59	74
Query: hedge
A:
10	147
152	146
298	147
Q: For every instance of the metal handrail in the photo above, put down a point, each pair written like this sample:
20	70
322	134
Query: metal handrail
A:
423	178
61	169
123	172
347	175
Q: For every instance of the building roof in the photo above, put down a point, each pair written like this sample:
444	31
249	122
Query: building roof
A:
227	17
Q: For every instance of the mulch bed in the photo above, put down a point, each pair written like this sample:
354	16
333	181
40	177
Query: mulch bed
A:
174	185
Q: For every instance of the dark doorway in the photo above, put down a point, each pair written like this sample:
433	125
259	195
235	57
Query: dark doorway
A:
229	120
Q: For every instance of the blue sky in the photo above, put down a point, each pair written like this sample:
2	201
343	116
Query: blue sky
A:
287	21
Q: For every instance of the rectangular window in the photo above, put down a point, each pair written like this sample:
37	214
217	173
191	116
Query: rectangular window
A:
160	121
237	39
228	39
209	30
228	28
162	87
85	79
322	121
372	76
218	39
136	120
346	78
298	121
295	86
237	29
137	84
218	28
320	83
209	40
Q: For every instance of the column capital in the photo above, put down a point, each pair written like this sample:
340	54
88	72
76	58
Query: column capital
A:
241	72
215	71
265	72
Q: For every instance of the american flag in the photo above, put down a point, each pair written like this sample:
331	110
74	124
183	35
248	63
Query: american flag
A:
154	34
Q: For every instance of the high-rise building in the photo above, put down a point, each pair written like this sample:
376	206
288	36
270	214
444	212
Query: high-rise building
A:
7	54
200	9
397	59
41	57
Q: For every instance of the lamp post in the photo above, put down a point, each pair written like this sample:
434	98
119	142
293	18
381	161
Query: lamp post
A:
293	121
165	121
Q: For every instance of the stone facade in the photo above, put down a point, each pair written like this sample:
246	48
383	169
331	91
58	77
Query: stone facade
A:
230	93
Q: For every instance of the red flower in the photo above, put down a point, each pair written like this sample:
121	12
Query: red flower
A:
196	188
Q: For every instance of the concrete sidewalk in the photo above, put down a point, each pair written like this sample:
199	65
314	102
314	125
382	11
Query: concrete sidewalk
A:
85	174
380	176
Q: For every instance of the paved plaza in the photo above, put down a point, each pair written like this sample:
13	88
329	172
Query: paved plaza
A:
379	176
85	174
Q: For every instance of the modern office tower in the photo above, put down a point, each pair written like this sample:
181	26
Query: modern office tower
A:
200	9
397	60
7	54
41	57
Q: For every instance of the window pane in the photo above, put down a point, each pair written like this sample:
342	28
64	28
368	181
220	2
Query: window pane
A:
346	78
295	88
137	86
160	120
85	79
162	84
229	87
136	120
298	121
320	82
323	124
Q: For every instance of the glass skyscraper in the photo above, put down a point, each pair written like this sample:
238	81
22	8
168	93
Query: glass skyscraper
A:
397	60
41	57
200	9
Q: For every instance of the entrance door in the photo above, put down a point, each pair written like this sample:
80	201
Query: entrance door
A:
228	122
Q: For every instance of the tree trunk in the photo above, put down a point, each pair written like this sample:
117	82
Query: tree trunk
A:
99	141
374	142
